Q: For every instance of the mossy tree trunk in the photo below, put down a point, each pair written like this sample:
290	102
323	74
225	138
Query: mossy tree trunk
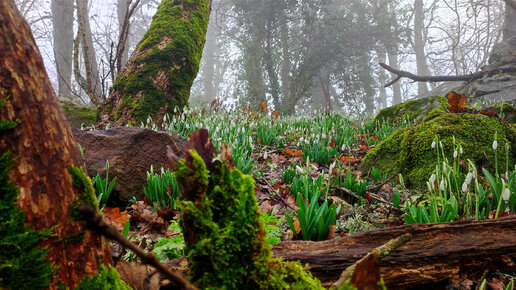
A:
161	70
44	152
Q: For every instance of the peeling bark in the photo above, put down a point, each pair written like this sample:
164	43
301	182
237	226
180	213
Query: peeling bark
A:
44	148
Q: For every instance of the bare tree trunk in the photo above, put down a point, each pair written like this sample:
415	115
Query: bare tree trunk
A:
509	26
94	89
210	55
419	44
161	70
382	79
122	9
62	22
396	88
285	61
45	151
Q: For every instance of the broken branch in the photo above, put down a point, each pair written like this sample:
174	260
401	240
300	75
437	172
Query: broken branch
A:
469	77
95	223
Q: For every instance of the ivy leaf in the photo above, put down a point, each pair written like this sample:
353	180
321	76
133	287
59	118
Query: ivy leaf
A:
456	102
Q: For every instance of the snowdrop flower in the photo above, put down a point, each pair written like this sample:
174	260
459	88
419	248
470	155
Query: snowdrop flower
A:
495	144
460	150
506	194
432	178
165	118
301	139
469	177
455	154
299	170
149	120
323	136
250	140
187	126
464	187
433	144
441	185
243	130
265	155
343	147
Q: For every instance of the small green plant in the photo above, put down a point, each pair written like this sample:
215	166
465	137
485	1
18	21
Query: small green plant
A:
273	232
267	134
103	187
352	183
319	153
171	247
377	175
162	189
314	219
289	173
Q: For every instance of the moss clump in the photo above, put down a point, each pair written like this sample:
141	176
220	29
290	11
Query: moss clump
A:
83	185
22	263
409	149
78	115
170	53
107	278
413	110
225	237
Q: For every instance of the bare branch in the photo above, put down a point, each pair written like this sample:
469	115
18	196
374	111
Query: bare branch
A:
469	77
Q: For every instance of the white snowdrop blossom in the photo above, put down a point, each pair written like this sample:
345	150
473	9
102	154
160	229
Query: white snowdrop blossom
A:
469	177
265	155
455	154
460	150
495	144
243	130
149	120
433	144
506	194
165	118
250	140
323	136
441	185
299	170
432	178
464	187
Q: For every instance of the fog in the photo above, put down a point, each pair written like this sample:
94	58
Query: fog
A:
295	55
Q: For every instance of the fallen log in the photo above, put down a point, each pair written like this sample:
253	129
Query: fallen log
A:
435	254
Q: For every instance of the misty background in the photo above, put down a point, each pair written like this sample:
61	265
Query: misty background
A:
296	55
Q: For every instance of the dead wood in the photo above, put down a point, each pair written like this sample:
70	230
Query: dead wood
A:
436	254
469	77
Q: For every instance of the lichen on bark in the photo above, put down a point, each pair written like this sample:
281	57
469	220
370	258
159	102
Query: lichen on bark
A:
160	72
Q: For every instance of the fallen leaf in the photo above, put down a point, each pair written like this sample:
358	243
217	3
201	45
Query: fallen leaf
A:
367	274
490	111
263	106
456	102
138	276
293	152
115	218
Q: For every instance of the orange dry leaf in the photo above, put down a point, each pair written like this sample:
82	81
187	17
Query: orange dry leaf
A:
115	217
263	106
293	152
353	159
332	142
490	111
456	102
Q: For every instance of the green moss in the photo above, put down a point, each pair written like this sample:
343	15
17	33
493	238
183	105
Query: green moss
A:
22	264
83	185
508	111
107	278
224	234
435	113
413	110
78	115
409	150
179	60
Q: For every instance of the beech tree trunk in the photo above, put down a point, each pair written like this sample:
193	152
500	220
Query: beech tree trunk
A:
44	149
419	44
435	254
161	70
62	22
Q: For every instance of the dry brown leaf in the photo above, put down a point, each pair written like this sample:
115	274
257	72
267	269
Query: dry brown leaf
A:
137	275
367	274
456	102
263	106
115	218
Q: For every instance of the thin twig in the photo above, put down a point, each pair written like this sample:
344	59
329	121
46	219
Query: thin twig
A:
380	252
270	188
95	223
373	196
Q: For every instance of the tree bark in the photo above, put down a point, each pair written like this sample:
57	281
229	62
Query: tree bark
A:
161	70
509	26
62	22
436	254
122	9
44	149
419	44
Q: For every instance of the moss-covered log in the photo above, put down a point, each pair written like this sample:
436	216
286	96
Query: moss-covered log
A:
45	161
161	70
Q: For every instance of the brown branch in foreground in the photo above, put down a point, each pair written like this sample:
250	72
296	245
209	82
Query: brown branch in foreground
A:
380	252
95	223
469	77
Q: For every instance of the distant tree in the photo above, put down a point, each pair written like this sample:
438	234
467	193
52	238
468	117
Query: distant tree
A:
45	158
160	72
62	28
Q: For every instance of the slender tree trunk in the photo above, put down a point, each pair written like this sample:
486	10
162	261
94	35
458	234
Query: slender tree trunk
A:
210	60
94	89
392	54
161	70
121	10
62	22
45	150
269	63
382	79
419	44
509	26
285	61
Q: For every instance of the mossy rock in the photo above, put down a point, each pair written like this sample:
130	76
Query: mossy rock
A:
508	110
78	114
409	150
413	110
